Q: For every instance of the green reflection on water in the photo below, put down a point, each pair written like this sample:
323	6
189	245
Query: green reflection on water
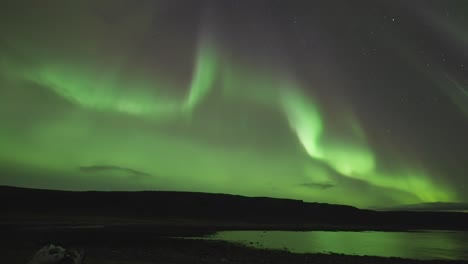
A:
414	245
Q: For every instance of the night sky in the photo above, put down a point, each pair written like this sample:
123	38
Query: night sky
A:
352	102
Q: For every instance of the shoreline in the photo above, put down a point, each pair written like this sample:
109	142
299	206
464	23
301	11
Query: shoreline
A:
178	251
144	243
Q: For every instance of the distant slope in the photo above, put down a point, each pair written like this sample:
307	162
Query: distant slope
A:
432	207
216	207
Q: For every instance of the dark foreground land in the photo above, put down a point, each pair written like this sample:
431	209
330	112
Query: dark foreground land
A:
177	251
140	228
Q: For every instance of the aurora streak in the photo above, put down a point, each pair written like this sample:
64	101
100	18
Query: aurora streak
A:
201	112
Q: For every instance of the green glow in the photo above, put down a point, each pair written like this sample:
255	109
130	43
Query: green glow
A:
411	245
305	121
457	92
454	30
253	129
354	160
204	76
106	92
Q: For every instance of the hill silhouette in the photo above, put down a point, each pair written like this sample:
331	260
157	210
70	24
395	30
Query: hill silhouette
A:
216	208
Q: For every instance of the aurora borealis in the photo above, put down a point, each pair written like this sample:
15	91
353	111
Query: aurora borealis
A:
352	102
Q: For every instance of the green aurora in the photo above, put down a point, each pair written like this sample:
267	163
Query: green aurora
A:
82	108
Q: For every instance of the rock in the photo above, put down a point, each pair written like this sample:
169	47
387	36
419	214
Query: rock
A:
52	254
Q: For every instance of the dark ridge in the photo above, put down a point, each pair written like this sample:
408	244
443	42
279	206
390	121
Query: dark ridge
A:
217	207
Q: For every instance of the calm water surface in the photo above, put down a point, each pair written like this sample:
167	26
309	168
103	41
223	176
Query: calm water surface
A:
414	245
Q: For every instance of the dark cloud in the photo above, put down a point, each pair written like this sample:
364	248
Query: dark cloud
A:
112	168
318	185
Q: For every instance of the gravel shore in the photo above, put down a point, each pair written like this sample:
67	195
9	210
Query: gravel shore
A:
177	251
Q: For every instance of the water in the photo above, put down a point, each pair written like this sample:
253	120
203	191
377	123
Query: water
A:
413	245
